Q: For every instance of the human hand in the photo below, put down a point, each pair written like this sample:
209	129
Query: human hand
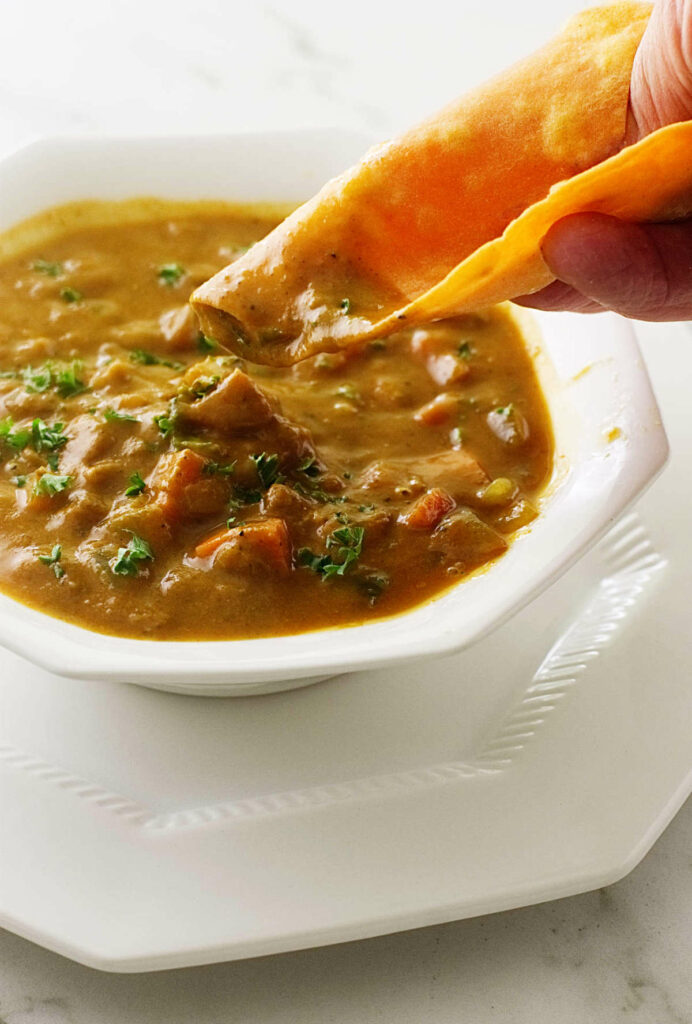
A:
642	271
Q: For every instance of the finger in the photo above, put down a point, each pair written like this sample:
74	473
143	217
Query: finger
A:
642	271
559	296
661	88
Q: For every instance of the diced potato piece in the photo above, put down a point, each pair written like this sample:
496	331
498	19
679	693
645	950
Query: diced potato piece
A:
376	522
437	345
236	404
35	350
258	546
442	409
455	471
90	441
509	425
29	499
136	333
145	518
183	490
427	512
446	369
114	378
284	501
179	328
103	474
464	541
82	512
379	475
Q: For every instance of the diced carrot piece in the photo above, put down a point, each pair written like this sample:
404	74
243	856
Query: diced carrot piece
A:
428	510
263	543
181	488
440	410
210	544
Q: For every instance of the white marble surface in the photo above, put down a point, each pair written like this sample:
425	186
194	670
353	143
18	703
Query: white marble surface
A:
620	954
164	66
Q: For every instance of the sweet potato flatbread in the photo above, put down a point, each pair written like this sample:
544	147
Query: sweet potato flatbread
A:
451	215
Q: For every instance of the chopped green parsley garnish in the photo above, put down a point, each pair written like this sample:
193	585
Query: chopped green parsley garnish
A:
206	345
38	380
310	490
170	274
464	351
203	385
67	383
111	415
70	295
127	560
138	355
53	560
16	439
267	467
345	304
165	422
64	379
372	583
41	437
47	268
505	410
217	469
136	485
244	496
20	481
345	545
45	438
309	466
51	484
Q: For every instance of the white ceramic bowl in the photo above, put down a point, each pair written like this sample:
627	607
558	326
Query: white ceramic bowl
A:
610	440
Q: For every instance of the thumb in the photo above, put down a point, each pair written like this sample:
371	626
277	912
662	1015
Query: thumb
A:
640	271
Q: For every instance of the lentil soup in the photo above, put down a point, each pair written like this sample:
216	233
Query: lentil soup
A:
154	486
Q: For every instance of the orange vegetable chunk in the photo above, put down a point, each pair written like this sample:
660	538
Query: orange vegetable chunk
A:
181	488
261	544
428	510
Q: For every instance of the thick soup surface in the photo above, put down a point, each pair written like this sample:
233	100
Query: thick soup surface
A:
153	486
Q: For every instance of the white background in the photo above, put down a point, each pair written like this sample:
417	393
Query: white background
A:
163	66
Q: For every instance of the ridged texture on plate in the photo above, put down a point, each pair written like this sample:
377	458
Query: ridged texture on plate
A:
630	563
